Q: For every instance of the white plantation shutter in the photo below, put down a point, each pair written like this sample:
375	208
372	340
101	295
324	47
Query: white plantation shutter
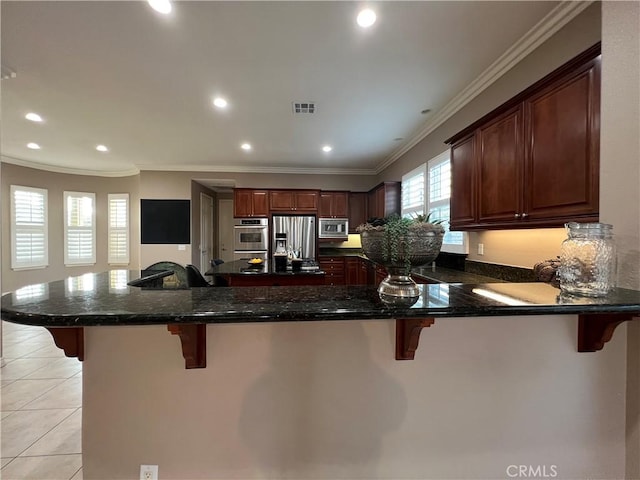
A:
29	239
80	228
413	192
439	201
427	189
118	228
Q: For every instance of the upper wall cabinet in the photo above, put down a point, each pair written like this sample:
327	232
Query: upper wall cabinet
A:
248	202
334	205
357	210
533	162
383	200
300	201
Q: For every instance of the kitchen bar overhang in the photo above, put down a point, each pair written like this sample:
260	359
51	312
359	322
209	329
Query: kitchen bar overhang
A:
65	307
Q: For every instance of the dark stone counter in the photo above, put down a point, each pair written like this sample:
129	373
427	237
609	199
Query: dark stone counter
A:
106	299
428	273
242	267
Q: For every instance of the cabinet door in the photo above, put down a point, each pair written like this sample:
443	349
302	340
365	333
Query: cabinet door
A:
562	159
260	203
500	153
463	182
352	268
333	204
341	204
242	203
357	210
281	200
325	207
306	201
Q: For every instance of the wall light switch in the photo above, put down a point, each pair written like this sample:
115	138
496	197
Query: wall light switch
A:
182	247
481	249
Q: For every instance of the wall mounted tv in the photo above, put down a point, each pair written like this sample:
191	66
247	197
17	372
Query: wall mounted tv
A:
165	221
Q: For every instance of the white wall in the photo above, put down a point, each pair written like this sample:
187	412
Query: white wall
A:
327	400
620	179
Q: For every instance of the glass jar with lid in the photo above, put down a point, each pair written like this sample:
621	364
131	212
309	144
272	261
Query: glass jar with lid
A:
587	260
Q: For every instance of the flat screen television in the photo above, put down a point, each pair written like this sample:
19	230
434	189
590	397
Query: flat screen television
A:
165	221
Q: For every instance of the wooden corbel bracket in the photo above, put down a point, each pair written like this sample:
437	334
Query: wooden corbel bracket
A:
408	335
193	338
70	340
596	329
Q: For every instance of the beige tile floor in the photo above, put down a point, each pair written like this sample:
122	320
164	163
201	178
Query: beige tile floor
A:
41	413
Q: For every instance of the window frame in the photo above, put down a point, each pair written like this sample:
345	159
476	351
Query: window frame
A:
112	259
44	229
83	260
427	206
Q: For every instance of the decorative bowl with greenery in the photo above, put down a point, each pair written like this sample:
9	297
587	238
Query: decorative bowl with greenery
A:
400	243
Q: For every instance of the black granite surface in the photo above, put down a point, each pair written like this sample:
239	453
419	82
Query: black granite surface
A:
503	272
106	299
427	273
242	267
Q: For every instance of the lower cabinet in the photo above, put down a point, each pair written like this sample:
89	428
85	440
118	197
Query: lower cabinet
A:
334	268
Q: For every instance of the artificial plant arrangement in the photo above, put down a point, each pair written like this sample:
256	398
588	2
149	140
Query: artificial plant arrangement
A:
397	241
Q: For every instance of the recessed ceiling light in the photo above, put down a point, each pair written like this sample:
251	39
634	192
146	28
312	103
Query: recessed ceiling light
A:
366	18
160	6
33	146
220	102
34	117
102	148
327	148
245	146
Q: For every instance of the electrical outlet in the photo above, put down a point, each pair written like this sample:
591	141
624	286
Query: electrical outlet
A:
182	247
481	249
148	472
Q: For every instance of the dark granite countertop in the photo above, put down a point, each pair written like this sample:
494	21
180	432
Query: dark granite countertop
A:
106	299
428	273
242	267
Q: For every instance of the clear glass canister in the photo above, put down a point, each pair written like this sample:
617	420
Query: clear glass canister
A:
587	260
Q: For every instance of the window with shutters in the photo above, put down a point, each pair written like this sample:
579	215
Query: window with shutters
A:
413	199
29	229
79	228
428	189
118	228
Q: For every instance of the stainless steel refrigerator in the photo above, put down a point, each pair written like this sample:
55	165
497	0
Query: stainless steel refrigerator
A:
301	233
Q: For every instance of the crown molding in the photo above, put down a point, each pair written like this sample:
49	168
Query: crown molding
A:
254	169
70	171
557	18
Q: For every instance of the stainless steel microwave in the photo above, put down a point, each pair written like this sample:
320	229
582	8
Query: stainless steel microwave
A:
337	228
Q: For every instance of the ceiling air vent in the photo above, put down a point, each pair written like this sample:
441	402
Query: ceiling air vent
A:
304	107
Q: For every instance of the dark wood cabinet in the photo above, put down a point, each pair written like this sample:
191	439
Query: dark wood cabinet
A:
352	269
463	183
248	202
357	210
334	270
534	161
294	200
383	200
381	273
334	205
500	157
562	162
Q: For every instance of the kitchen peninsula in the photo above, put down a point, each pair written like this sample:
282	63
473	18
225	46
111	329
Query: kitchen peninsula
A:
65	307
289	349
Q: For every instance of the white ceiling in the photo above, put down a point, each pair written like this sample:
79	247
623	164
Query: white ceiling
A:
120	74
